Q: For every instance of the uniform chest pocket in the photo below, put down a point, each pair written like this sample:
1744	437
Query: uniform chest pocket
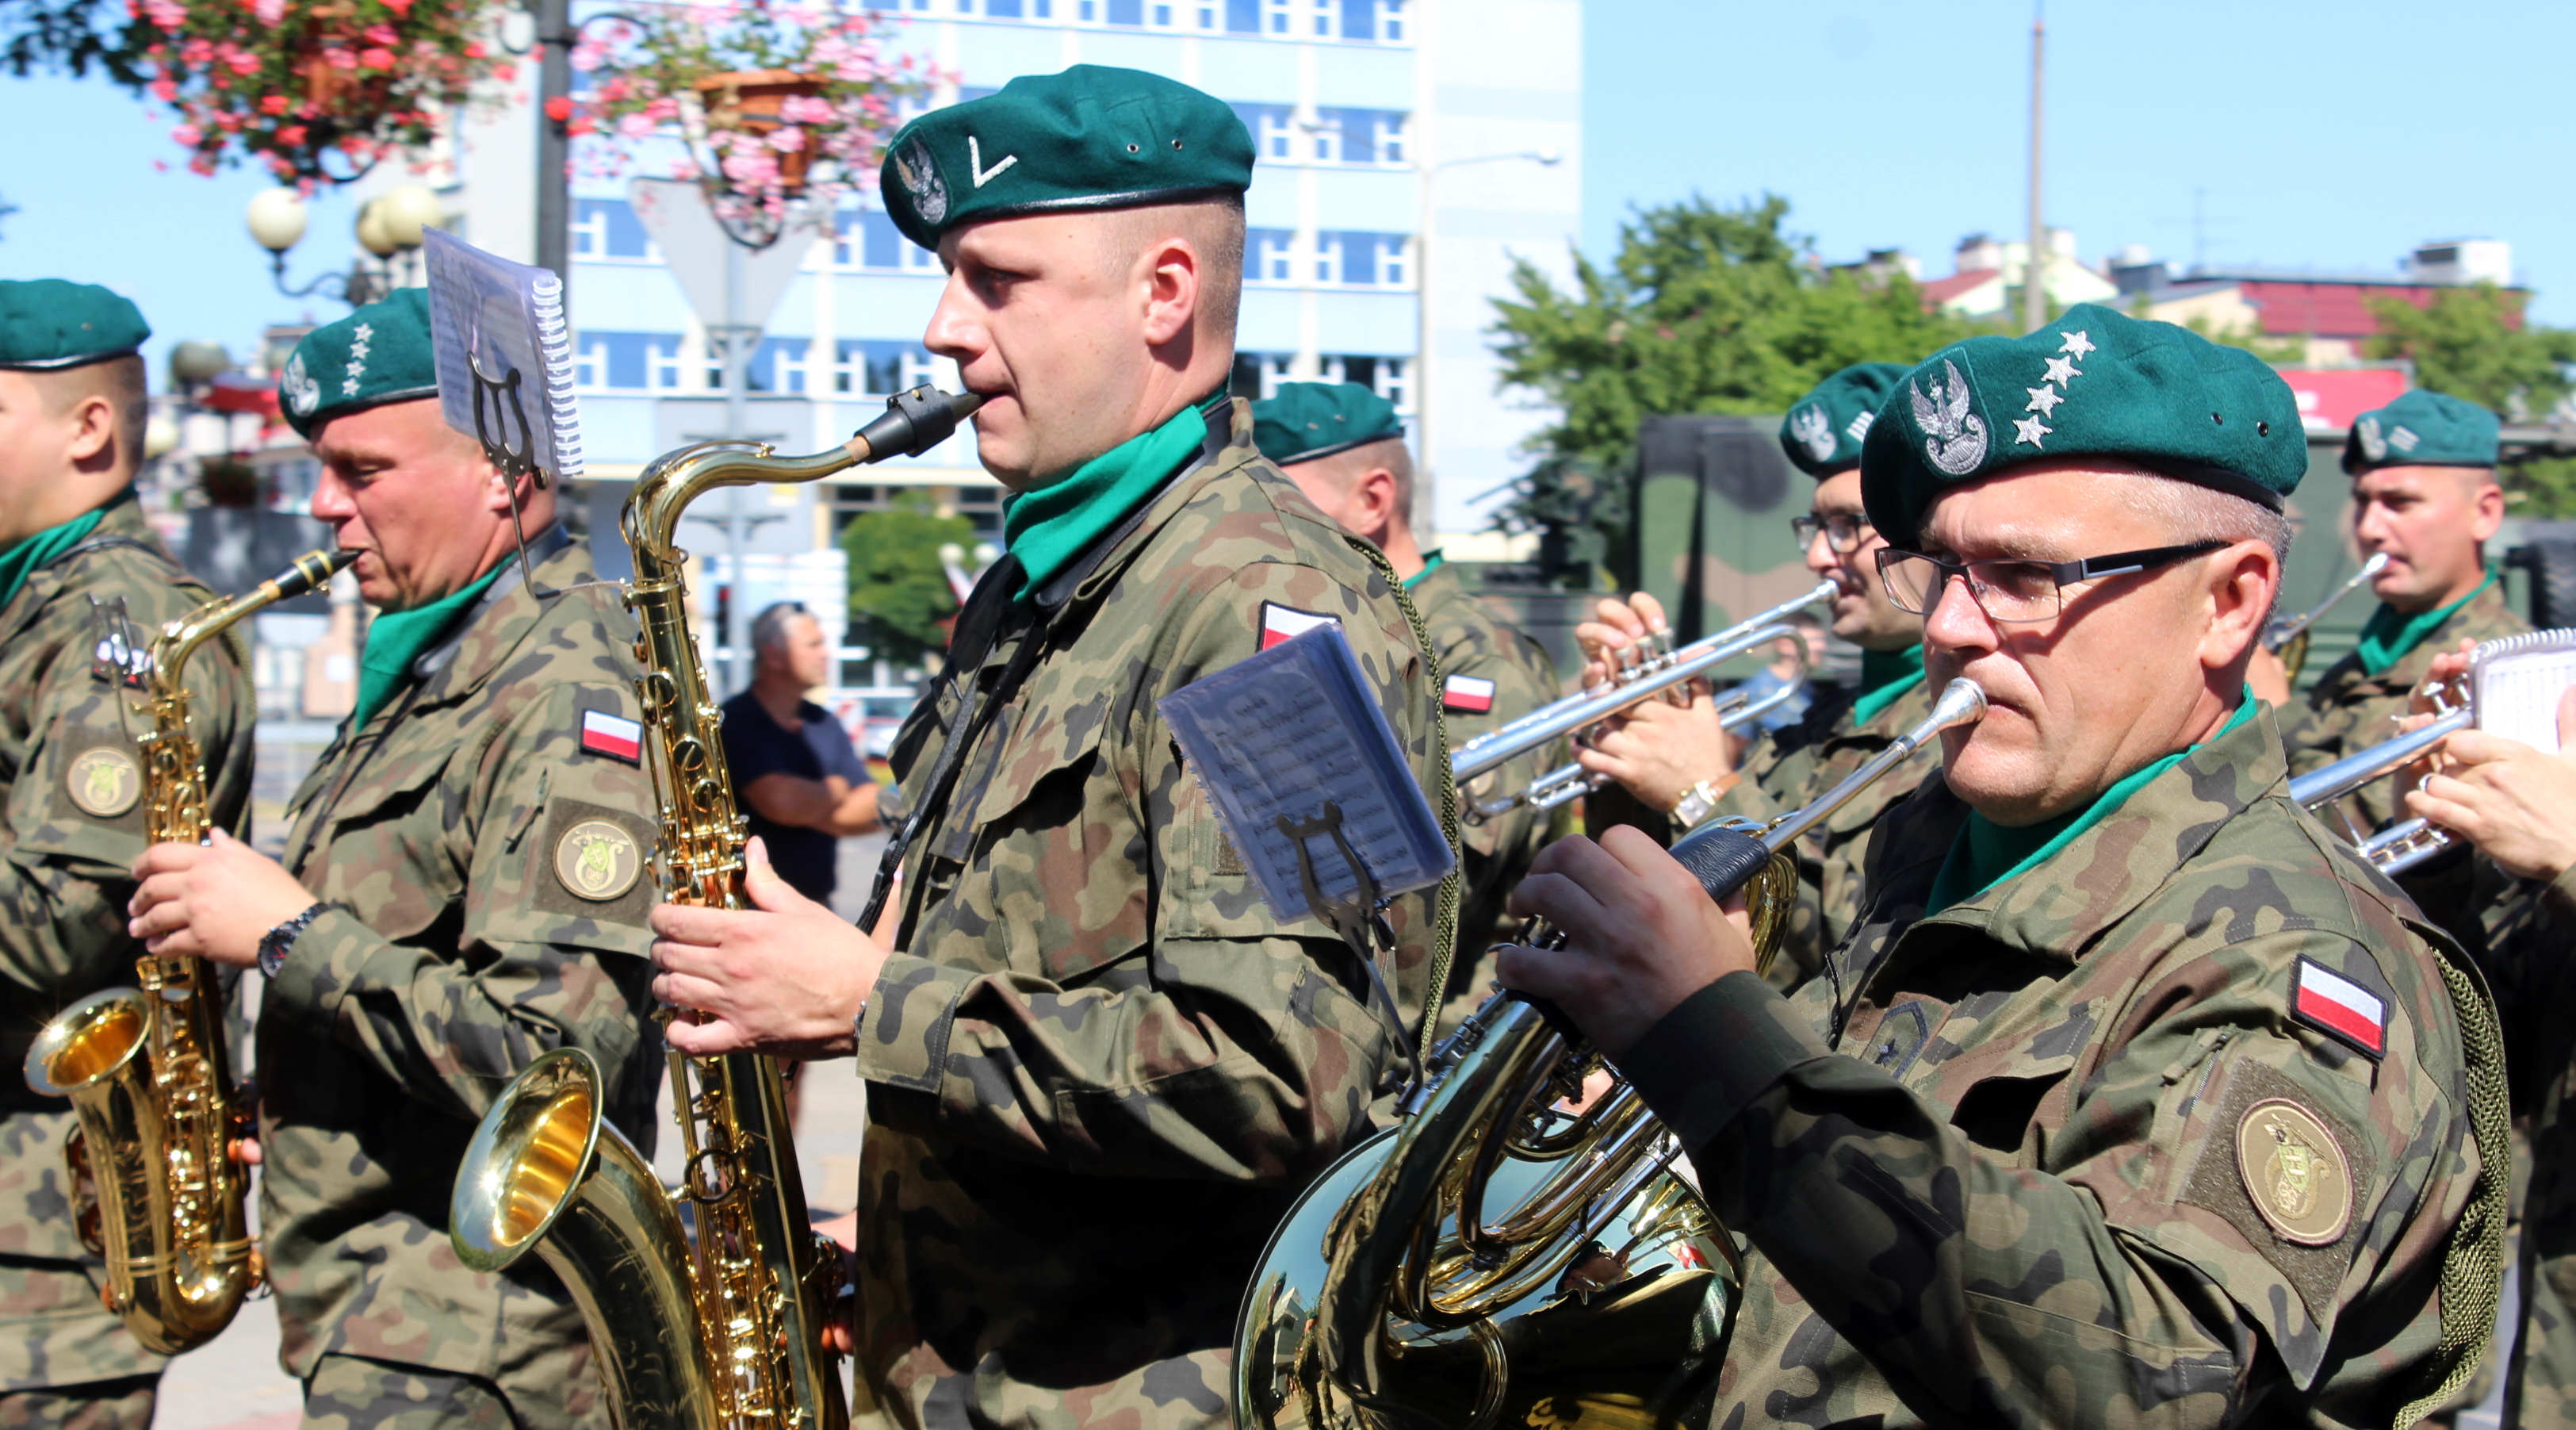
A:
2007	1099
393	844
1029	779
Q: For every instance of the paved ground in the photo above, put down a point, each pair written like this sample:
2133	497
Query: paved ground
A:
234	1384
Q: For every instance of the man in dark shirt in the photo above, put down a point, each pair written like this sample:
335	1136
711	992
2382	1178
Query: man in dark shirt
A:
797	775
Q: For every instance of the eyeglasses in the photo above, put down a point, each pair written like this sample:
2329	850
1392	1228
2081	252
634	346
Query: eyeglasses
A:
1842	531
2013	591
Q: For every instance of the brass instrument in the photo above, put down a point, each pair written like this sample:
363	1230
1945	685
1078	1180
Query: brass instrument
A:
155	1190
1391	1295
2492	692
1658	670
2288	639
725	1331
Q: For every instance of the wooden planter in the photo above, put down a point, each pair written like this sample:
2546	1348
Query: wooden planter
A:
749	102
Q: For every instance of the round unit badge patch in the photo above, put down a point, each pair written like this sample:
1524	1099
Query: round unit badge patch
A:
2294	1172
105	781
598	860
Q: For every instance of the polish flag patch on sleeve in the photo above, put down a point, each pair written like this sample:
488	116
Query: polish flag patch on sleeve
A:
1466	695
2335	1004
1279	623
612	735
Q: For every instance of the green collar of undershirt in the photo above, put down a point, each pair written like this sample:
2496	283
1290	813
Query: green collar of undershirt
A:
1986	853
1885	676
398	637
2389	635
27	557
1430	563
1049	527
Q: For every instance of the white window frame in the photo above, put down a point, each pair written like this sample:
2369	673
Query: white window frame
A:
1327	15
1327	251
1395	260
1279	258
1395	382
663	366
1277	14
1390	22
1327	147
850	373
590	365
1394	140
790	369
590	235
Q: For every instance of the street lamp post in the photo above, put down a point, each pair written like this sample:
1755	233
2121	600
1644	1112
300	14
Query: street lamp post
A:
388	226
1420	378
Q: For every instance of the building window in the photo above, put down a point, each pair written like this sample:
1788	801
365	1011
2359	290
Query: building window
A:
852	502
1243	17
608	228
590	365
1273	127
1127	12
1360	136
1207	15
1276	12
1267	253
631	362
868	239
1393	384
1381	375
1328	257
1257	375
1004	9
870	367
589	231
664	358
982	508
778	365
1395	260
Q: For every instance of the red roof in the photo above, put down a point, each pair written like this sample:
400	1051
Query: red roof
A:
2293	308
1941	290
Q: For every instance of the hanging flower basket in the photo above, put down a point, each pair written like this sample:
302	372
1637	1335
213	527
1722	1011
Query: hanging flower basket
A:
315	90
770	102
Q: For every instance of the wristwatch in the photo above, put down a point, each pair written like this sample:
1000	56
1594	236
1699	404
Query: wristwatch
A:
1698	800
275	944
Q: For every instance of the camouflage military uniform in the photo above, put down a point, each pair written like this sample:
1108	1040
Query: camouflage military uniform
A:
490	866
1101	1069
1492	675
1788	770
73	784
2347	711
2086	1154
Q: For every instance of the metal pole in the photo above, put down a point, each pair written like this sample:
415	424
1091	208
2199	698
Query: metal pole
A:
554	149
2034	273
737	376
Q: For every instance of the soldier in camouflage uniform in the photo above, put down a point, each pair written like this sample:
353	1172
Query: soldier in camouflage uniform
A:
1100	1068
463	889
1677	760
72	534
2424	493
1344	448
2136	1100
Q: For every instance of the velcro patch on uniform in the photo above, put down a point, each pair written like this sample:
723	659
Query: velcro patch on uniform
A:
2334	1004
612	735
1279	623
1466	695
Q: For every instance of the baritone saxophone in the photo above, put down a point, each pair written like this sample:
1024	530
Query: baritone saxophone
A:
155	1190
723	1331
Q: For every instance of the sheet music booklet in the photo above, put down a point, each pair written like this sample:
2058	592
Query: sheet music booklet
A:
490	319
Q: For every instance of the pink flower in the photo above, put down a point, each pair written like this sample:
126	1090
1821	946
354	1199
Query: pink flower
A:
291	135
636	126
505	72
273	104
807	109
663	110
376	58
399	7
243	62
340	59
684	171
788	140
197	54
165	90
187	135
168	14
750	168
382	33
269	12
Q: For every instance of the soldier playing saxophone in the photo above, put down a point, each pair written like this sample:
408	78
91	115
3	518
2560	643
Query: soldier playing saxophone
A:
462	890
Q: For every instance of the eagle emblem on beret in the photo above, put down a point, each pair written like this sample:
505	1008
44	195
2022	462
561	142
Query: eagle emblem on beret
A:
1954	439
302	393
2373	445
921	180
1814	432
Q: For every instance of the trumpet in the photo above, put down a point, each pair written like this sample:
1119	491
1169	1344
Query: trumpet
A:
154	1188
2514	682
2288	639
1391	1296
1657	673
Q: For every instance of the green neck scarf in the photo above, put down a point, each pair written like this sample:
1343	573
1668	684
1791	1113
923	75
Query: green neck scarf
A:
2391	634
398	637
1885	676
1049	527
35	553
1986	854
1430	563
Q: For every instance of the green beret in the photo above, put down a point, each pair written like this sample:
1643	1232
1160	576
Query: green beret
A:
2422	429
1089	138
1308	420
376	355
2093	383
49	323
1822	434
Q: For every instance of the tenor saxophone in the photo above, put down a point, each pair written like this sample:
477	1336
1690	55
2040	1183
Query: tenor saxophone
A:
725	1330
155	1191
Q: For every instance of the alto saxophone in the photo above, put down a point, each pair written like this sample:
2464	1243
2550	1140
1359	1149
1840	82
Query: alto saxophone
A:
155	1190
725	1331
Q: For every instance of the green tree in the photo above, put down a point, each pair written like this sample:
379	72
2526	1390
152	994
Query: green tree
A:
898	590
1705	309
2471	343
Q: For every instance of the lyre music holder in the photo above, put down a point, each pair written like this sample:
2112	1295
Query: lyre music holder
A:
1361	918
501	396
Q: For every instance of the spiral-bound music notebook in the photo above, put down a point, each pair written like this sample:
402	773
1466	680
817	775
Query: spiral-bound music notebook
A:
2515	682
494	318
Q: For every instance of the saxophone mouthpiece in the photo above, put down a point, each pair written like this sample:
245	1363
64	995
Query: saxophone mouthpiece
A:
913	423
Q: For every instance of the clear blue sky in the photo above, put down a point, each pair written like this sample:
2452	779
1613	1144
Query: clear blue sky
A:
2336	135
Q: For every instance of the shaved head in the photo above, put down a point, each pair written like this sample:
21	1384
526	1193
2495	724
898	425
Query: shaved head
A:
118	382
1214	231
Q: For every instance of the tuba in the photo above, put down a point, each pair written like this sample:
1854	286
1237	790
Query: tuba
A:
724	1330
1501	1259
155	1191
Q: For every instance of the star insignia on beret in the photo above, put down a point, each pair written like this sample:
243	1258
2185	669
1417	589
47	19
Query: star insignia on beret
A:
2028	429
2078	343
366	332
2044	400
2062	371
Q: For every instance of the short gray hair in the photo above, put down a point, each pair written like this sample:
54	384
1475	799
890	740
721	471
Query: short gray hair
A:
769	628
2194	512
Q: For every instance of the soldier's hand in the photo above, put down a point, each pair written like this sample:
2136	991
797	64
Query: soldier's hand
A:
2268	678
1610	641
211	901
2507	798
1641	936
2449	666
785	977
1659	750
